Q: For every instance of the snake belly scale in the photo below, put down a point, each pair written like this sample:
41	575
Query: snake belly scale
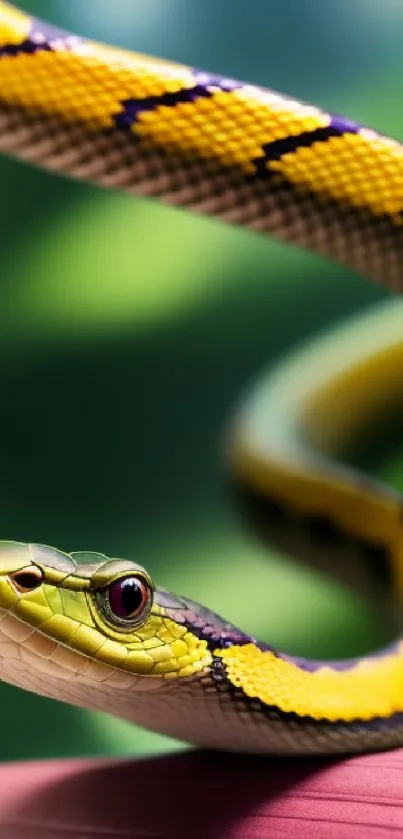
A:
95	631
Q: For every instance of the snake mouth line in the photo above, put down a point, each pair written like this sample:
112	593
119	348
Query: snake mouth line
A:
30	646
33	661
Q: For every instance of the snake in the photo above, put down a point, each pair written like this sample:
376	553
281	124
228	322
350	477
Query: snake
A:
95	631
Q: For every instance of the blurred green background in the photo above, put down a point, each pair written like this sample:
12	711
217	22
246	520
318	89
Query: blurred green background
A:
127	330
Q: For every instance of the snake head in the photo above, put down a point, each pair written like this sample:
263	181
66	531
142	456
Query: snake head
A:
70	623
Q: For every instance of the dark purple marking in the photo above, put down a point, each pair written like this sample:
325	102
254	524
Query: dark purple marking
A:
343	125
379	723
276	149
202	622
27	47
218	633
42	38
340	665
204	88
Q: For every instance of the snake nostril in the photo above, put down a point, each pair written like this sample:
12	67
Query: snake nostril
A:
27	579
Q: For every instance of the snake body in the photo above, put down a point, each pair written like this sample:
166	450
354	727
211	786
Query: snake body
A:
95	631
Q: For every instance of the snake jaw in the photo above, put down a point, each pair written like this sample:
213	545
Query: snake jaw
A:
40	652
61	601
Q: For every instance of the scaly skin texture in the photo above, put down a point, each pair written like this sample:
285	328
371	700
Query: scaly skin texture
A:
267	162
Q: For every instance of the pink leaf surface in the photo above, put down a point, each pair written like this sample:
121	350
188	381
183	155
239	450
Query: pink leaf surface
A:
196	795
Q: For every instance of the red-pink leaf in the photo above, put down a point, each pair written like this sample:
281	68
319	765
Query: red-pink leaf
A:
196	795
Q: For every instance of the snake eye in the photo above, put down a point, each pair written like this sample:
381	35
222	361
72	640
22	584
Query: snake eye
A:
128	597
126	602
27	579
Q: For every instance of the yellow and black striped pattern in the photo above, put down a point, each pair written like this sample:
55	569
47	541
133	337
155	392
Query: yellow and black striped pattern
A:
256	158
